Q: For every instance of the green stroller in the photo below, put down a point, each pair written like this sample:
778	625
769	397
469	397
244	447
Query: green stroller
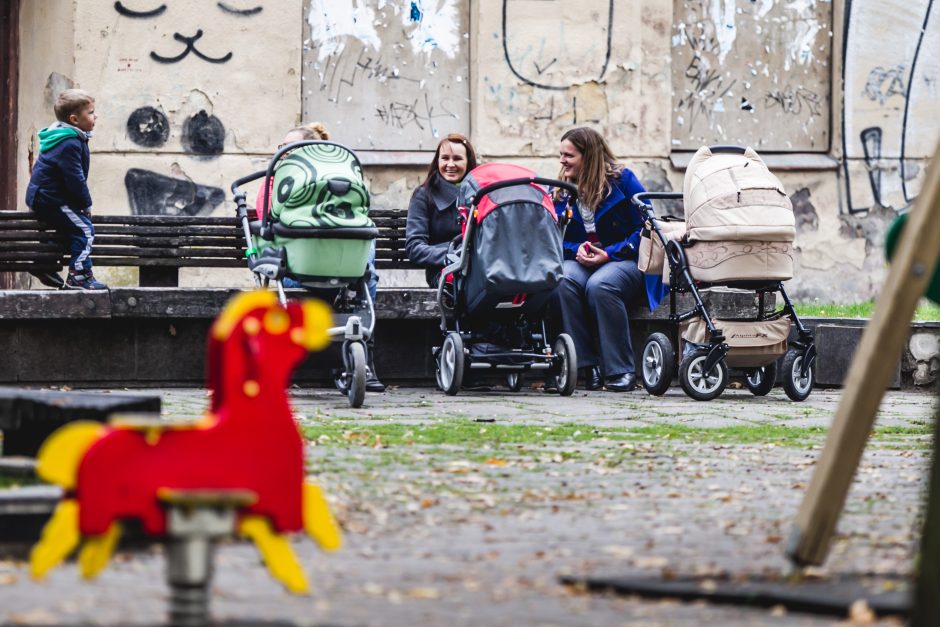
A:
313	231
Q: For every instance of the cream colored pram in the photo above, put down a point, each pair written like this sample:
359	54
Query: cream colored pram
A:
738	233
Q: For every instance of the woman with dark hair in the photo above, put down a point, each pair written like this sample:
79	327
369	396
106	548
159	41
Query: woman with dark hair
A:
601	278
432	214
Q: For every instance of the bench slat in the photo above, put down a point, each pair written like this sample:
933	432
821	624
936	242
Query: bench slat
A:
179	262
113	229
229	243
166	220
157	253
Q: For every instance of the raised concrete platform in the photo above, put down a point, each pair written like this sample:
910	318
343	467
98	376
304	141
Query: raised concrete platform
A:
156	336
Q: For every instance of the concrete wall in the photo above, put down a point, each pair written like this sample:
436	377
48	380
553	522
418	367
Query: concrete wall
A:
182	117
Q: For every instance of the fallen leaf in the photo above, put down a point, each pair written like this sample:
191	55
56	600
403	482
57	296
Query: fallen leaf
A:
860	613
423	593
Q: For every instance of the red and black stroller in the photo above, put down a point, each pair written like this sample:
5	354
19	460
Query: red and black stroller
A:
494	294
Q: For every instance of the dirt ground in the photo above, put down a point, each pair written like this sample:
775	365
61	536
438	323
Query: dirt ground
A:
446	529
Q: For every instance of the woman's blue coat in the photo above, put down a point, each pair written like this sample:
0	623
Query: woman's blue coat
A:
617	223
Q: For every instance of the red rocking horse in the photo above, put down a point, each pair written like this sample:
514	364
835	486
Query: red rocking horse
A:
247	442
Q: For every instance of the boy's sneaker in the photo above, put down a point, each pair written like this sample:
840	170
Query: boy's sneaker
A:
49	279
83	281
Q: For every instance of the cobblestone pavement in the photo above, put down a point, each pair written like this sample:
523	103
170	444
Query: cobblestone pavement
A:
446	528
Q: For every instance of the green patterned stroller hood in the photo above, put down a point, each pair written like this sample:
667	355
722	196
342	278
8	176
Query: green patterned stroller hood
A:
320	186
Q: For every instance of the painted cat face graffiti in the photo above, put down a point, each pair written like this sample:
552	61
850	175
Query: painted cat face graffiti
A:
174	79
188	40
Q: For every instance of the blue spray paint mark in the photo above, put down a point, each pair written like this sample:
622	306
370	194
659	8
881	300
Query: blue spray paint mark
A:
415	12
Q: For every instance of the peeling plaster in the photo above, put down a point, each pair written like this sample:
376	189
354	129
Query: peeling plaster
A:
332	22
436	28
721	13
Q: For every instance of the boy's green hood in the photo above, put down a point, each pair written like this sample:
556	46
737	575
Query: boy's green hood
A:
49	137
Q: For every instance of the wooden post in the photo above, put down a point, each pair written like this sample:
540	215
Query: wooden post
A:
926	610
9	83
869	375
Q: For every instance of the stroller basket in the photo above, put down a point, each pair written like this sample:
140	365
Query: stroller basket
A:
751	343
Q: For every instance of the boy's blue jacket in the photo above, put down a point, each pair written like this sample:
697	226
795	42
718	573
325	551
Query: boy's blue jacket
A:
60	174
618	224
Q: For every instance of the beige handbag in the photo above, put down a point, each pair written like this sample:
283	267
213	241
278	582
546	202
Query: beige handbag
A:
651	258
752	343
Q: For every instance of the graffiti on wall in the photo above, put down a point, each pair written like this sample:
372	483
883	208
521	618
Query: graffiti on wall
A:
177	39
891	74
545	65
753	73
559	65
387	76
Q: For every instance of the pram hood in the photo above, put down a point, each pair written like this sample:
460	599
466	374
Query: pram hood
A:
320	186
490	173
513	241
733	196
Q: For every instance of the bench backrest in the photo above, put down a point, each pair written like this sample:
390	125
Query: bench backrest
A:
160	245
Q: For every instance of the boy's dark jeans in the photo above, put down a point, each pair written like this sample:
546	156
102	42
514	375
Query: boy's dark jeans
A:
77	227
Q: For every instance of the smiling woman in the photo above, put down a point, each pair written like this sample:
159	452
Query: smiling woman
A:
432	213
601	277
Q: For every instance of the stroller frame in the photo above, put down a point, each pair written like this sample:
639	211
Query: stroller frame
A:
352	307
707	378
454	356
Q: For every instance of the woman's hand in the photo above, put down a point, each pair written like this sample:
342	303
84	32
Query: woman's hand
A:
591	256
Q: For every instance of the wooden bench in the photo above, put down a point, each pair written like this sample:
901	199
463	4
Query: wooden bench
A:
28	417
160	245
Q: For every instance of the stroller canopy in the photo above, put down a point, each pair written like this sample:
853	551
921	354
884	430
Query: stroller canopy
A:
320	186
490	173
516	251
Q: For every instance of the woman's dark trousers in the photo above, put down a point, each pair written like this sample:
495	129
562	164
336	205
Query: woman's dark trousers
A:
594	312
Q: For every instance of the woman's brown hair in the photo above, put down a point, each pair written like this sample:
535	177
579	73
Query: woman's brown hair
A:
454	138
598	163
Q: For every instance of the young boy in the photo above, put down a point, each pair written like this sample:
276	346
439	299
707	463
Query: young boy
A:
58	188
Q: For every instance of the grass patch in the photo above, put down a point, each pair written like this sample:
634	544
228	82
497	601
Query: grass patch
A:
926	310
448	435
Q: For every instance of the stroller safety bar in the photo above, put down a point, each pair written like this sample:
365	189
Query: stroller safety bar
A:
254	176
325	233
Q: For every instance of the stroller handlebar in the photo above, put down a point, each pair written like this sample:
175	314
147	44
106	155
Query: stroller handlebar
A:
483	191
639	200
247	179
734	150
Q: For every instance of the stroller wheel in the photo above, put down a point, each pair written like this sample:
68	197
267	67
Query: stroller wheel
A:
355	373
698	384
567	377
450	364
514	381
659	364
761	380
795	384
